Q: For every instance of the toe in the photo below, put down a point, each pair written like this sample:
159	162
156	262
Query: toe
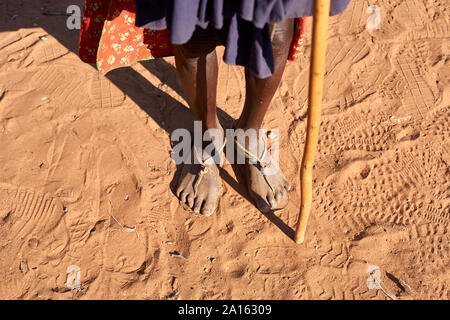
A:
279	195
183	195
287	185
190	201
207	210
261	203
271	200
179	191
209	205
284	193
197	205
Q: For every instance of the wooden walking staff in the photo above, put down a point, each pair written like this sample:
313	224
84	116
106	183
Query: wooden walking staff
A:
316	75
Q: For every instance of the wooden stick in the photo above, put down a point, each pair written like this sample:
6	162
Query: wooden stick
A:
316	75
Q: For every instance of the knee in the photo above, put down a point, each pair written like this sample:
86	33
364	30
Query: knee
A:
281	38
202	43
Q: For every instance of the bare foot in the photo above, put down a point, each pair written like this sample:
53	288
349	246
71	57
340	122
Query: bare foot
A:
199	196
199	185
266	183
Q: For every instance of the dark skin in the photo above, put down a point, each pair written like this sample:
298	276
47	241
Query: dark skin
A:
197	69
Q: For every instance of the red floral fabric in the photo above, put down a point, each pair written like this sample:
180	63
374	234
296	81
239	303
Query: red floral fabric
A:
297	48
110	38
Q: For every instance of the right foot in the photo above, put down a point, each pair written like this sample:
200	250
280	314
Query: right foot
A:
199	187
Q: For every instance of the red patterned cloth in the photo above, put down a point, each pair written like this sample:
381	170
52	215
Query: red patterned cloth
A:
297	48
110	38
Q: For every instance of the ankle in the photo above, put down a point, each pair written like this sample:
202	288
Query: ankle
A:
245	125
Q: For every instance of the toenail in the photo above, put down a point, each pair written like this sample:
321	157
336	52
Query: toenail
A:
207	211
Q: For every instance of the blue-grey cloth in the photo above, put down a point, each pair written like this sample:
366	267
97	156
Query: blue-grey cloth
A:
242	25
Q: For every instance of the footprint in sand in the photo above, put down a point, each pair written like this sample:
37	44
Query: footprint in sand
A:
104	94
29	221
128	251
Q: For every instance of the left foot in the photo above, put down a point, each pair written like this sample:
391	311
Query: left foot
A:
266	183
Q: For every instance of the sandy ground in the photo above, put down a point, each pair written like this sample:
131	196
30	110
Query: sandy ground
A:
85	179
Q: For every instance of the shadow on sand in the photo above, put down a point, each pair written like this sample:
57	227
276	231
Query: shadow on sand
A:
15	15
